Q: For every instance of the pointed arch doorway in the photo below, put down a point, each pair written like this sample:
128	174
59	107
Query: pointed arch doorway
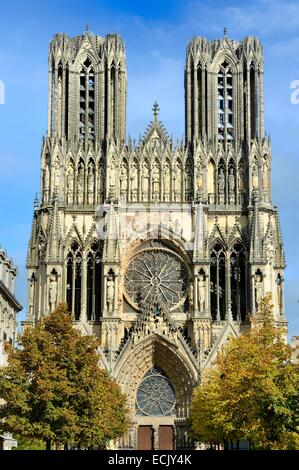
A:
155	411
167	426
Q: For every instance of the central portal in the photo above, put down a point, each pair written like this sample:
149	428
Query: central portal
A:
155	408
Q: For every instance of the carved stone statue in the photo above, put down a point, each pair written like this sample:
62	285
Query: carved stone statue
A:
144	181
201	289
231	180
123	180
80	184
177	182
221	181
188	183
241	179
191	295
53	292
155	181
70	185
255	177
231	186
221	186
47	184
57	175
31	295
199	183
258	283
134	182
166	183
265	176
279	287
110	293
90	185
112	178
100	186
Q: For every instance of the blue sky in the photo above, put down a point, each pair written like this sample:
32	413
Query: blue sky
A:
156	34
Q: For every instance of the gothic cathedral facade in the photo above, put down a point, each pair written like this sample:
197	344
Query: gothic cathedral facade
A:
160	248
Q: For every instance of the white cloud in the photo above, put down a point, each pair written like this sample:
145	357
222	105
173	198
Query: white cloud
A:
264	17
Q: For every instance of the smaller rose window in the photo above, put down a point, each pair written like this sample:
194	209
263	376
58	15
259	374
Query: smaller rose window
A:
155	395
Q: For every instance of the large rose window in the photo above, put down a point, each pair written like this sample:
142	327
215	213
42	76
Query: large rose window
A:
156	275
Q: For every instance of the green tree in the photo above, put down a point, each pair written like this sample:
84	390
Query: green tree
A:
252	391
54	390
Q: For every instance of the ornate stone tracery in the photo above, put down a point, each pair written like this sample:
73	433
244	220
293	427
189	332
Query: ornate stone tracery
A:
155	395
156	275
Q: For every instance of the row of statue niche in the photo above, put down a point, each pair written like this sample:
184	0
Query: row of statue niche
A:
73	190
201	293
70	184
231	184
155	182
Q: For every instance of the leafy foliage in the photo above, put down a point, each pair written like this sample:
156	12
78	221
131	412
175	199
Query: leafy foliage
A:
252	391
54	390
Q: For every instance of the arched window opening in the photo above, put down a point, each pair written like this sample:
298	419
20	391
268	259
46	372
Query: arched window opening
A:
238	283
82	118
245	104
73	287
217	274
59	71
199	98
53	84
254	78
66	101
225	103
87	102
113	99
94	283
91	98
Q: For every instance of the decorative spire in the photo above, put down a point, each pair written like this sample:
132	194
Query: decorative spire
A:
225	32
156	111
86	28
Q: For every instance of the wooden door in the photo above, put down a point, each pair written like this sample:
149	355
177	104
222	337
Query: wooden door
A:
145	438
166	438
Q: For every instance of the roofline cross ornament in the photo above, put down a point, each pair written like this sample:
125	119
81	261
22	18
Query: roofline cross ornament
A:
156	110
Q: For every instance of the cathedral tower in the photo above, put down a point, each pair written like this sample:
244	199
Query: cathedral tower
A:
87	88
161	249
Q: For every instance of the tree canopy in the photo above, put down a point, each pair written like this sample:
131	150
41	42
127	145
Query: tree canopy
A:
54	390
252	390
